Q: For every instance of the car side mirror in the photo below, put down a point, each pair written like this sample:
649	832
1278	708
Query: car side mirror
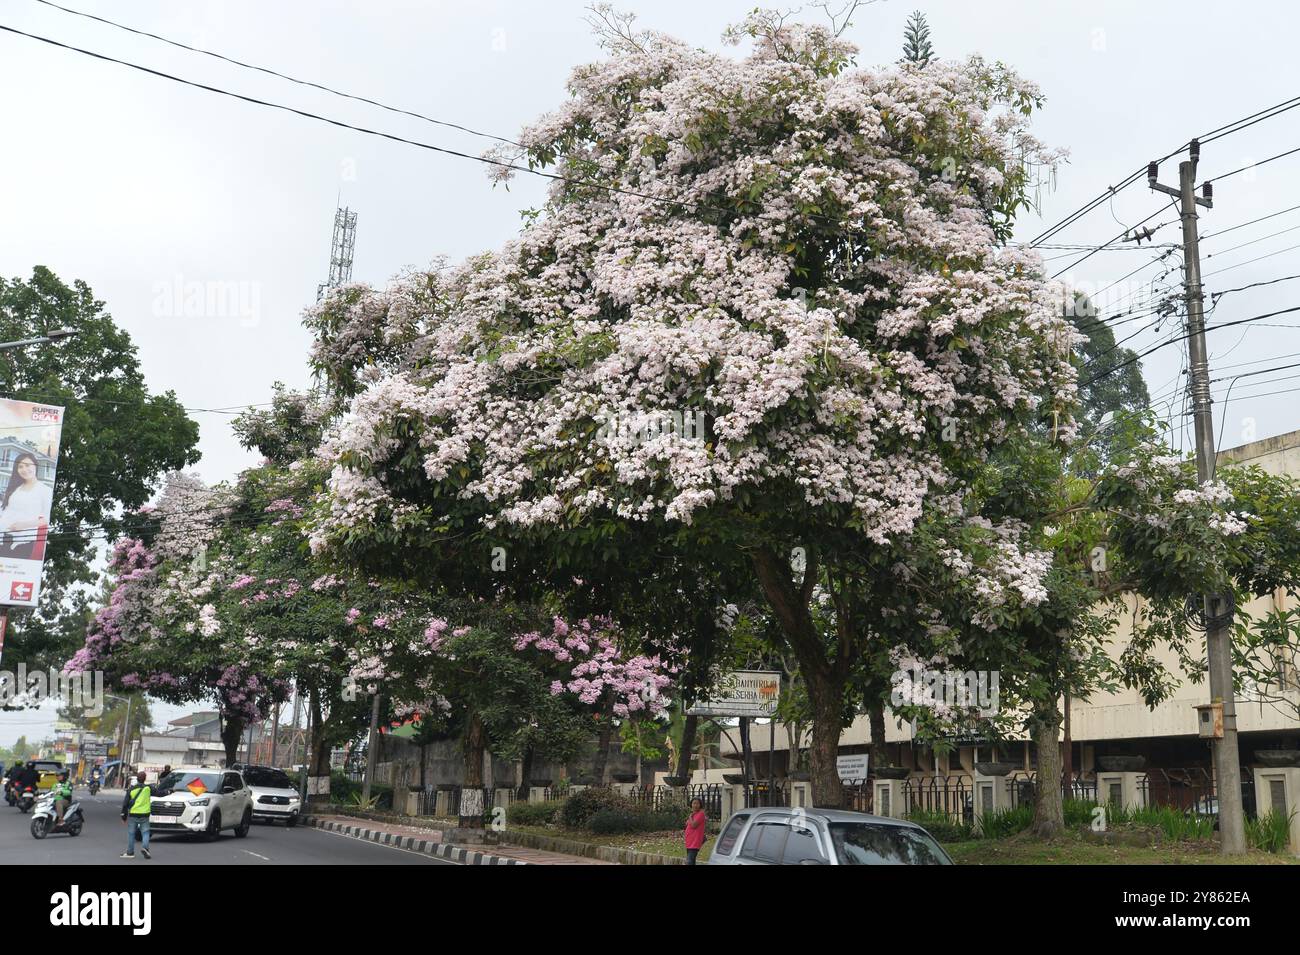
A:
227	790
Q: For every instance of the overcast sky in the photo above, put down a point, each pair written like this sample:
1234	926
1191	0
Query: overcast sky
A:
141	186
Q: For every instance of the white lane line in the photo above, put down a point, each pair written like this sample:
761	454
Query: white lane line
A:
251	853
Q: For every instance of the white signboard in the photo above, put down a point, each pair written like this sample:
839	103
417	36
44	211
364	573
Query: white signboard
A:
29	451
853	766
742	693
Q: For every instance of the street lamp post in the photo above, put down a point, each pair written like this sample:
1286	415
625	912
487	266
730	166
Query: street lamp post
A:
56	335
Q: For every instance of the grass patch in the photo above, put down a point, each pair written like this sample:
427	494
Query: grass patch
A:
1074	849
1271	832
663	843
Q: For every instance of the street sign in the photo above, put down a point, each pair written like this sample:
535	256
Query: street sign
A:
852	765
742	693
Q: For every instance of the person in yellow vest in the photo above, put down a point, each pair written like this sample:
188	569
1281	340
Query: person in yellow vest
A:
135	813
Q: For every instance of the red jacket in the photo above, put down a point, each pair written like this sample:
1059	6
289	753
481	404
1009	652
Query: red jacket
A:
695	830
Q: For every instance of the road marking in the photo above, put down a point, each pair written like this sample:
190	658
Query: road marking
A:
251	853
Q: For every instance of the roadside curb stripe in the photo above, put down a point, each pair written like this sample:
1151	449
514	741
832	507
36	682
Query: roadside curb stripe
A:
424	846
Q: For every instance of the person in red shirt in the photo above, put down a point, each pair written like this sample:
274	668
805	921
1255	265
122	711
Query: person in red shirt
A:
696	826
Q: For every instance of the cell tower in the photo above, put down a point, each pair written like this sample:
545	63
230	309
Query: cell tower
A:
345	239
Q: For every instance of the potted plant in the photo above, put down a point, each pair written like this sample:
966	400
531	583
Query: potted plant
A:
735	779
891	772
1122	764
624	777
995	769
675	781
543	783
1277	758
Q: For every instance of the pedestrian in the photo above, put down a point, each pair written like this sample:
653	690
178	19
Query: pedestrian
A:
695	829
135	813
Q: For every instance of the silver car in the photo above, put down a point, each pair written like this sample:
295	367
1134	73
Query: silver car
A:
810	836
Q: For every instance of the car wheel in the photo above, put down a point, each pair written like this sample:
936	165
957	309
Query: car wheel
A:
213	832
244	824
291	821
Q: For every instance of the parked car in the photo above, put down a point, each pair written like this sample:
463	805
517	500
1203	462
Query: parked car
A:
202	800
274	795
810	836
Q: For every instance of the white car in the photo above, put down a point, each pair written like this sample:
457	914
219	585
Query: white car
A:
274	795
201	800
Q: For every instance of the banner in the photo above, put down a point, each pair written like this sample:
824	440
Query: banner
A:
741	693
29	453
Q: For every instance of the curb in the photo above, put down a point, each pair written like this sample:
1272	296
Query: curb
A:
427	846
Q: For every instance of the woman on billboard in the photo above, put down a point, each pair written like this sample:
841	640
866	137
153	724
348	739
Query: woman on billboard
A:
26	507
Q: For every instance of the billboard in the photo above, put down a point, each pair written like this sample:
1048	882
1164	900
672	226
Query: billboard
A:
29	453
742	693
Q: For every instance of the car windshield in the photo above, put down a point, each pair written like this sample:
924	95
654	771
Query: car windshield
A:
197	783
859	843
267	778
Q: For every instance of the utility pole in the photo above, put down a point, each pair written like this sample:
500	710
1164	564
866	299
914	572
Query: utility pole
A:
1217	607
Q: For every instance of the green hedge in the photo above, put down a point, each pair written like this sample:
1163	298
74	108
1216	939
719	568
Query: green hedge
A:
533	813
620	821
581	806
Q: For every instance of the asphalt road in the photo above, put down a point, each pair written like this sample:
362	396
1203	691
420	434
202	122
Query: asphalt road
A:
104	839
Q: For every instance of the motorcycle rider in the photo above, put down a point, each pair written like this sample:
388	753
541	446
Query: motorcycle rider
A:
62	792
94	777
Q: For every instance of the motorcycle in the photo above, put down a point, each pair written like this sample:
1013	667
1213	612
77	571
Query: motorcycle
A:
26	799
43	819
93	786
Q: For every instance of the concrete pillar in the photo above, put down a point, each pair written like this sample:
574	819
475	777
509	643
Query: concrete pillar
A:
733	800
537	794
1277	789
413	803
624	789
991	795
442	803
1121	788
887	798
800	793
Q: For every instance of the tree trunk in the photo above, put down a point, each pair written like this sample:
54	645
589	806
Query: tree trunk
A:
746	755
689	728
827	700
601	769
231	729
879	751
1049	807
475	744
526	771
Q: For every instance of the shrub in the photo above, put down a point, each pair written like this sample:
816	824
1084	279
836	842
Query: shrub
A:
1079	813
941	825
1271	832
1006	822
581	806
533	813
619	821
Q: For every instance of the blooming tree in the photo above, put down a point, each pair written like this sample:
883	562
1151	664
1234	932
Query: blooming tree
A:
801	258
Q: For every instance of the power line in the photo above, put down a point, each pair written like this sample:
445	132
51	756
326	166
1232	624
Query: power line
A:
1255	165
1260	258
1215	296
1242	245
1242	225
1209	328
284	76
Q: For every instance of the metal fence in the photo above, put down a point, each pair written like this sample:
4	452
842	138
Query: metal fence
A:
950	795
678	797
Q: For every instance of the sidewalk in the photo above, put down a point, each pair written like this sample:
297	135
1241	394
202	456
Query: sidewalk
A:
430	840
